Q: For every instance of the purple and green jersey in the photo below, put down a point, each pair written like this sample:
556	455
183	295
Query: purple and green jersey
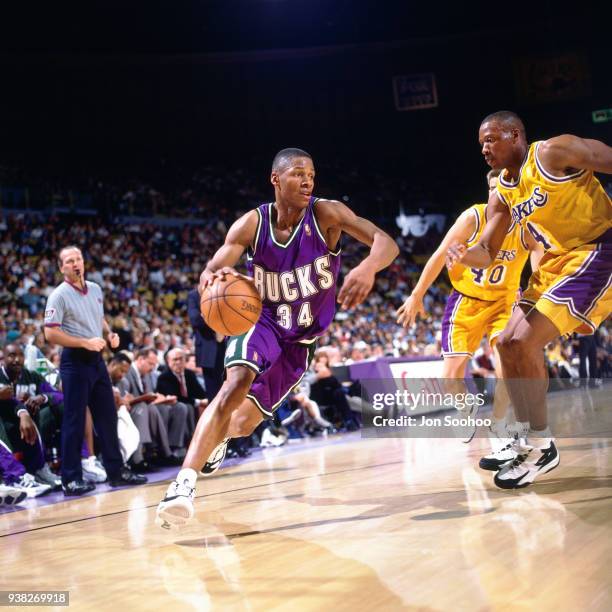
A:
297	284
296	279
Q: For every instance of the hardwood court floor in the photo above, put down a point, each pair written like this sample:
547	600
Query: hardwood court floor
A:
350	525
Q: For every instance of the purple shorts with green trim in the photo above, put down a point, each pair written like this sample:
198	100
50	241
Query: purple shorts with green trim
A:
280	365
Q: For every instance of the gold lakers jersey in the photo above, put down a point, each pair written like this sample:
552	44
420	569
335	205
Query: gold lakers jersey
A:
561	213
500	279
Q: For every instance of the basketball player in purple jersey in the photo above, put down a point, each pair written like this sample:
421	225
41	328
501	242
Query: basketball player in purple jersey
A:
293	255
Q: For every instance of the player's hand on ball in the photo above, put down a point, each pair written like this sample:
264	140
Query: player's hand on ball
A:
408	311
455	254
207	278
227	270
357	284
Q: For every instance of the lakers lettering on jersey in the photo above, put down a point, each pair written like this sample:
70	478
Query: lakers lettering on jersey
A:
571	216
561	213
500	279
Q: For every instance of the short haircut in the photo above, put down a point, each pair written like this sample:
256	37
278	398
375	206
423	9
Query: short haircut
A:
71	247
492	174
120	358
283	159
176	349
508	119
145	352
16	347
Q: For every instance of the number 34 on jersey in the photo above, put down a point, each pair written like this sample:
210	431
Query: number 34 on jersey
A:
285	314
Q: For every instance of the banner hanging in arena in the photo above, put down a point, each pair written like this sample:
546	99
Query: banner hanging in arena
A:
415	91
552	78
419	225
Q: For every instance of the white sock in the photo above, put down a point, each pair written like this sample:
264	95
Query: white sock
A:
522	428
188	476
499	428
500	422
519	429
541	438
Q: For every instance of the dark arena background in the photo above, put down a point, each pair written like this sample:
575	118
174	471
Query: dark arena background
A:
139	133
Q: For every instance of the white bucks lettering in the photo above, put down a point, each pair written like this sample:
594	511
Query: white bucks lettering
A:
25	390
293	285
288	287
524	209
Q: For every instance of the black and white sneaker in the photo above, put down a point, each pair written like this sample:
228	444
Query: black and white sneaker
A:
530	463
176	509
502	452
11	496
28	484
216	459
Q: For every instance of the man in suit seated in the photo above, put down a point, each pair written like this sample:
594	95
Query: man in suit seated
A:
209	347
160	418
179	381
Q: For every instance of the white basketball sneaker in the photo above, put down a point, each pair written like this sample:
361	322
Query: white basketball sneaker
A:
93	470
216	458
27	483
46	476
502	451
530	463
176	509
11	496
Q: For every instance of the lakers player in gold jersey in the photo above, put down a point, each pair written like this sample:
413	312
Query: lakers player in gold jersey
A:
549	189
479	305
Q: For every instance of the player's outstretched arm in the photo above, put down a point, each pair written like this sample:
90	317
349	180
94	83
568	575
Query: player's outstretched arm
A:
460	232
484	252
562	154
240	235
333	218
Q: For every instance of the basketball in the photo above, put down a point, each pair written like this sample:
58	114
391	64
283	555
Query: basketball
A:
231	306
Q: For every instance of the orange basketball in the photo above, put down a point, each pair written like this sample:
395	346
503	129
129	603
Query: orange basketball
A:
231	306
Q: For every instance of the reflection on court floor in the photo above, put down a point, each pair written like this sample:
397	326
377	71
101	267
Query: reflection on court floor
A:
359	524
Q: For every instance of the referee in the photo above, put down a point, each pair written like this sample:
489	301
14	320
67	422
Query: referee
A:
74	319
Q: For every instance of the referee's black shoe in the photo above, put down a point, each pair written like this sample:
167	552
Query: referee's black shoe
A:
77	487
126	477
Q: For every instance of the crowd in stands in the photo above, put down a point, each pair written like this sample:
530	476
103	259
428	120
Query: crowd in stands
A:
146	272
209	192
